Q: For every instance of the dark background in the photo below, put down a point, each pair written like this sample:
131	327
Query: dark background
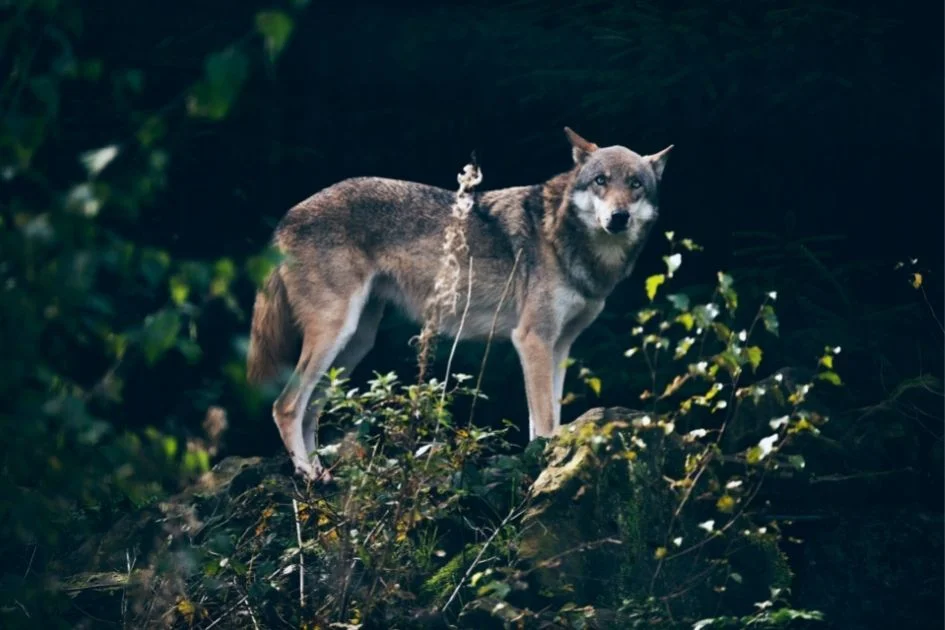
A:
808	159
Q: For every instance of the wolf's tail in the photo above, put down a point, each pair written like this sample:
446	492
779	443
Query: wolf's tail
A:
273	335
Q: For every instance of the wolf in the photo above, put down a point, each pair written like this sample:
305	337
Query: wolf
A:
554	251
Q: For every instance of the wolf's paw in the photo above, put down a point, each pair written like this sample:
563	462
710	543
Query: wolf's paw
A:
313	472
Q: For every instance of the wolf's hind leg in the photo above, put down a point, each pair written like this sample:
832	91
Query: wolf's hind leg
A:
354	351
327	327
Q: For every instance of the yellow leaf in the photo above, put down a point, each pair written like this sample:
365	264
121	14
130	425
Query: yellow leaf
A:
687	320
187	609
827	361
725	504
916	280
179	290
660	553
594	384
653	283
675	385
754	356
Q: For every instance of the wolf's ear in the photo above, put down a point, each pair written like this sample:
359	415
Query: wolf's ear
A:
658	161
580	148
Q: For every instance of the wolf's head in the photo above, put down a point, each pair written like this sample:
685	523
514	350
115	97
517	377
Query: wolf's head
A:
615	189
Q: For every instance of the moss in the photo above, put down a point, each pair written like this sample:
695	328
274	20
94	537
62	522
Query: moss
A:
439	586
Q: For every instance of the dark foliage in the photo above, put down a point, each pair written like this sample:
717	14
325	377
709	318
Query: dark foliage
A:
147	150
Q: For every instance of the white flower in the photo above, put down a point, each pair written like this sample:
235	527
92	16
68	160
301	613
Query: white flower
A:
743	336
98	159
672	263
773	295
777	423
708	525
767	445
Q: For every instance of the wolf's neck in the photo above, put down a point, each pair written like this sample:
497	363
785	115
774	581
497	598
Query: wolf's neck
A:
593	263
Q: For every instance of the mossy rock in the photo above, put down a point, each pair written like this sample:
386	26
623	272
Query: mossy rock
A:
583	523
597	523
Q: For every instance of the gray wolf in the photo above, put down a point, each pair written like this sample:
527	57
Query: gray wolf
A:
364	243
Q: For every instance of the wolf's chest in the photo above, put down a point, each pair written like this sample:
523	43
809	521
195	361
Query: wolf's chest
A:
568	305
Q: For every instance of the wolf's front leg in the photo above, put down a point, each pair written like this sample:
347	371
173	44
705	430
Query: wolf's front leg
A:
562	350
537	358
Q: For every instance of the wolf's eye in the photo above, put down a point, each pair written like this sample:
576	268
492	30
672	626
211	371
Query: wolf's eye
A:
635	183
600	180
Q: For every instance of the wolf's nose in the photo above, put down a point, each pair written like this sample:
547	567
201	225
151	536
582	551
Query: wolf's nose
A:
618	221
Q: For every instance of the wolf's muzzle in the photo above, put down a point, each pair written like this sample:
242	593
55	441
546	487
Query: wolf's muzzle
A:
618	221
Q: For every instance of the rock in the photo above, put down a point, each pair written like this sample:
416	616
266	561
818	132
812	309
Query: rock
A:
595	531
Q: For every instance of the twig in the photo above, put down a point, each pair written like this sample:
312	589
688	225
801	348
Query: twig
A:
512	514
495	320
298	535
239	603
30	565
925	297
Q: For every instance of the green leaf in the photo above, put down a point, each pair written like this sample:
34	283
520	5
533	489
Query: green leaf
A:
754	354
259	267
754	455
653	283
680	301
646	314
769	319
797	461
159	334
831	377
190	349
225	72
683	347
276	28
727	292
705	314
179	289
690	245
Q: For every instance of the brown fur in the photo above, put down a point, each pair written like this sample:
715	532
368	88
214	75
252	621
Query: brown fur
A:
273	335
363	243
